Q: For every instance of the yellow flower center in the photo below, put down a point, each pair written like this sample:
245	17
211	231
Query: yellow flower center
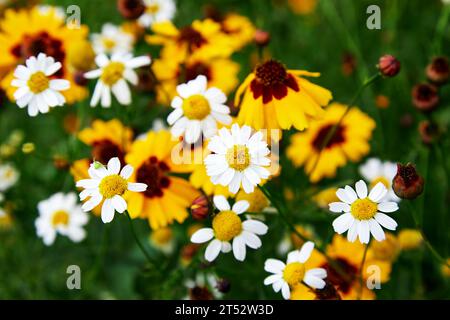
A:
112	73
60	217
383	180
238	157
363	209
293	273
113	185
226	225
153	8
109	43
196	107
161	236
38	82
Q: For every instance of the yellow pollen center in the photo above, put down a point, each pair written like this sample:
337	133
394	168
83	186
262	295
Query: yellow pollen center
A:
60	217
226	225
38	82
113	185
383	180
196	107
112	73
238	157
153	8
293	273
363	209
109	43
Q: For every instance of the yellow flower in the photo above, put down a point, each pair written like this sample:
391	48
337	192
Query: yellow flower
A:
445	269
325	197
387	250
257	199
277	98
167	197
6	220
303	7
25	33
239	28
350	142
409	239
202	40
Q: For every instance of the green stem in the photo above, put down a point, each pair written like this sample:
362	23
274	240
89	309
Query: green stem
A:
361	272
139	243
440	29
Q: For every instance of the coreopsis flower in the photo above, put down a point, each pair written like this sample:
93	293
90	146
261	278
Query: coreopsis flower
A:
227	226
60	214
438	71
198	110
386	250
407	183
8	176
425	97
409	239
37	90
302	7
239	158
108	184
349	142
363	212
293	273
112	39
374	171
157	11
113	75
277	98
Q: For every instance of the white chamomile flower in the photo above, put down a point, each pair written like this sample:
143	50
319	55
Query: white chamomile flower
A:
61	214
227	226
157	11
197	110
238	158
108	184
374	171
36	87
362	215
8	176
287	276
112	39
113	75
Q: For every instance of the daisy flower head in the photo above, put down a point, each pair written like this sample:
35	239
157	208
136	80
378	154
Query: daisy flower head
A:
227	226
61	214
197	110
286	276
112	39
363	212
108	184
8	176
157	11
239	158
374	170
36	87
113	75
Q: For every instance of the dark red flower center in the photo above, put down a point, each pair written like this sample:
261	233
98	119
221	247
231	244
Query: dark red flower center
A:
337	138
200	293
425	92
194	38
153	173
197	69
272	81
441	65
343	284
104	150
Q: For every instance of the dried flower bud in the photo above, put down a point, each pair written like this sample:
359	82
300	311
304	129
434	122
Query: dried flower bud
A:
438	71
223	285
407	184
425	97
389	66
200	208
131	9
262	38
429	131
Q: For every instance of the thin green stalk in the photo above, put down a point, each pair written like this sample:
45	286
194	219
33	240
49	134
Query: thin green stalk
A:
440	29
361	272
139	243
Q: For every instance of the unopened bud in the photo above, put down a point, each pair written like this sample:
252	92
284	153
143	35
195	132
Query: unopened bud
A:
389	66
131	9
438	71
425	97
262	38
407	184
200	208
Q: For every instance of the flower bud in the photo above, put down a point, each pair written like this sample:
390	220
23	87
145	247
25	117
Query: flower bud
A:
262	38
200	208
438	71
389	66
407	184
425	97
131	9
223	285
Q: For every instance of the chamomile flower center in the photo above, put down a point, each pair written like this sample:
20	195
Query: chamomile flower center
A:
383	180
363	209
271	73
153	8
112	73
226	225
196	107
293	273
38	82
109	43
113	185
60	217
238	157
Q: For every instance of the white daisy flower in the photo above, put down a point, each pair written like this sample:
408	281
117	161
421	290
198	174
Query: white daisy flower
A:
36	88
227	226
112	39
107	184
238	158
61	214
8	176
374	171
197	110
362	215
287	276
113	76
157	11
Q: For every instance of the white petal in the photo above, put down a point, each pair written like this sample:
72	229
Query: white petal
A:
59	84
126	172
318	272
286	292
137	187
293	256
174	116
339	207
92	203
138	62
305	251
119	203
385	221
376	230
241	206
251	240
361	189
272	279
313	281
114	165
87	183
122	92
239	248
107	211
274	266
378	192
364	231
221	203
352	233
342	195
351	194
388	206
226	247
255	226
202	235
213	250
343	223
